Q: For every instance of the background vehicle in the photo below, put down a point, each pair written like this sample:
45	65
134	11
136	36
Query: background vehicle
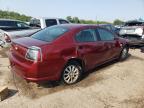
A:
111	28
134	31
65	52
46	22
12	29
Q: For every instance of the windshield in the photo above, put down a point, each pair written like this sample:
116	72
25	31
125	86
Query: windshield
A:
134	24
49	34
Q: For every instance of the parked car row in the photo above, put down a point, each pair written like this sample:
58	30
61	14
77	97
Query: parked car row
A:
52	49
12	29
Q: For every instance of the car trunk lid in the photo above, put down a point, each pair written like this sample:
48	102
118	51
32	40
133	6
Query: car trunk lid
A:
19	47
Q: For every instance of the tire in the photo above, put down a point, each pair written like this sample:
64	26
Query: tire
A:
124	53
72	73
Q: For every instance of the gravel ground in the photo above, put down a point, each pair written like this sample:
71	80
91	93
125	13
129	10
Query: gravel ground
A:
118	85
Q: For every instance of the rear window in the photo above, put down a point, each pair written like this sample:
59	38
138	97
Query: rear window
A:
134	24
50	22
49	34
8	23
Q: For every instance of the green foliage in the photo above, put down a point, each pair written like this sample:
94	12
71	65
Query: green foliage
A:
17	16
69	18
14	15
82	21
118	22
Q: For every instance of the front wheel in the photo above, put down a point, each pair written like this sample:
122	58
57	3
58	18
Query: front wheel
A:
124	53
72	73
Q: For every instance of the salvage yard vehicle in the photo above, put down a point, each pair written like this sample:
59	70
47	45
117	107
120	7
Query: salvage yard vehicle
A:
65	52
134	31
12	29
111	28
46	22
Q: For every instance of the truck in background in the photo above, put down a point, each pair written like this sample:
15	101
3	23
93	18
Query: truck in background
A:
13	29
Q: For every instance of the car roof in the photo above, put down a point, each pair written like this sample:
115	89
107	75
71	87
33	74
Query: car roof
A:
44	18
135	21
105	25
2	19
76	26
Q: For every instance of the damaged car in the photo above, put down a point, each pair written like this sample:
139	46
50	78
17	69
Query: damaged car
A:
65	52
134	31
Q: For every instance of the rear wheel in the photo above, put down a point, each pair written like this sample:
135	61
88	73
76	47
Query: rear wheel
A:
124	53
72	73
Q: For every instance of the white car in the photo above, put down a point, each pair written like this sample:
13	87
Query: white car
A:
133	29
46	22
134	32
13	29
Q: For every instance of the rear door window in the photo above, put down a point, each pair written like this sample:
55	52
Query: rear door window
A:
87	35
50	22
105	35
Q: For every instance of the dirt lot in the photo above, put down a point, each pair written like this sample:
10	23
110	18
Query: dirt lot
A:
119	85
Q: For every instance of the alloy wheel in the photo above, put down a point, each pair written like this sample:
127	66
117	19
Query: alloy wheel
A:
71	74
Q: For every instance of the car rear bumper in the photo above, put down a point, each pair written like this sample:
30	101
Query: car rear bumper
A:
29	72
134	40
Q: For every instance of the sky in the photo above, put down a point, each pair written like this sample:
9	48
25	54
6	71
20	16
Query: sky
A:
103	10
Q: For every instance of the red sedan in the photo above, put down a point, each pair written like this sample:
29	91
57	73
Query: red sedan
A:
65	52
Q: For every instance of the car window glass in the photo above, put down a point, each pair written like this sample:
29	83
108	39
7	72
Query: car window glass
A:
22	25
8	23
105	35
86	36
63	22
108	27
134	24
51	22
49	34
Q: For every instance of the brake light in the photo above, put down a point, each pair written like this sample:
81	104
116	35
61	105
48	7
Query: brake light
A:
7	38
34	54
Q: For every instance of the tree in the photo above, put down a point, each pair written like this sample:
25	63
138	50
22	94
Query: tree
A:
70	19
13	15
76	20
118	22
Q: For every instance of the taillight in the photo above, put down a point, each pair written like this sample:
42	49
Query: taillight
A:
7	38
34	54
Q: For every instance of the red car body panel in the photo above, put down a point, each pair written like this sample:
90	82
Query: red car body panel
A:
57	53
